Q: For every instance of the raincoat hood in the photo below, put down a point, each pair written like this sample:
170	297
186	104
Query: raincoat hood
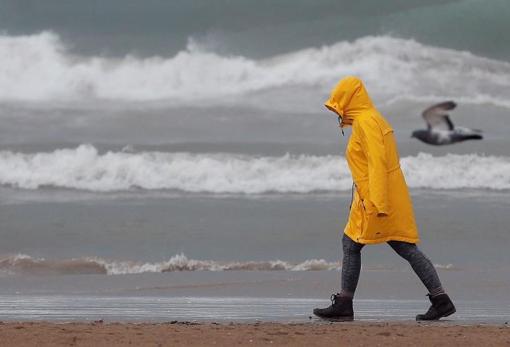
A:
349	99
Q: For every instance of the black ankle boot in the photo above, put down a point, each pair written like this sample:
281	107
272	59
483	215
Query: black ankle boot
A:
340	309
442	306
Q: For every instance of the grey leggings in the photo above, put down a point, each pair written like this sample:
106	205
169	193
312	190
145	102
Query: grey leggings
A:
421	265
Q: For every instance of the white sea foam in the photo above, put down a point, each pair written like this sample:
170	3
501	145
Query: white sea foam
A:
84	168
25	264
40	68
22	263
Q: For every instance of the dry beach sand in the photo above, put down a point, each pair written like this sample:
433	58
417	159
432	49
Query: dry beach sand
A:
253	334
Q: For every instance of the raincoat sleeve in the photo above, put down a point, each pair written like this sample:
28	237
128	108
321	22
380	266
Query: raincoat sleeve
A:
372	141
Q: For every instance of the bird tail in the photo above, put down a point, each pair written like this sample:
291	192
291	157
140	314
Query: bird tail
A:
473	137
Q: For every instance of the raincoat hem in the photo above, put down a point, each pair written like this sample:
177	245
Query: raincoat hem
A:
382	239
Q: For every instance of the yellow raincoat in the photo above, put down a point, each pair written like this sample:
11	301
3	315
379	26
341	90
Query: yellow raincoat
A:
381	209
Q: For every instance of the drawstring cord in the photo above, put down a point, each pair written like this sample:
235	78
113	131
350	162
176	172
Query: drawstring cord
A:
340	125
352	196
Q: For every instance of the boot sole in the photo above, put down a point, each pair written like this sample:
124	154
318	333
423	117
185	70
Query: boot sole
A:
449	313
446	314
338	319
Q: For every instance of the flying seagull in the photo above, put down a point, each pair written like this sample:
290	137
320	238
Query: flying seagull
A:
440	129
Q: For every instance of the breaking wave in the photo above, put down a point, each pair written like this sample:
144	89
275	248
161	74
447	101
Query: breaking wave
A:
40	68
24	264
84	168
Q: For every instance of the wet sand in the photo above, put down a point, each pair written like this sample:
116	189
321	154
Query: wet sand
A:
253	334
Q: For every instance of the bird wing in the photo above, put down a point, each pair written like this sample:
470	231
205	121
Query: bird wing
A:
467	131
436	115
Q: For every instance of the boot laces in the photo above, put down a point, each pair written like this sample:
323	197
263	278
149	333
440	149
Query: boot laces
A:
333	298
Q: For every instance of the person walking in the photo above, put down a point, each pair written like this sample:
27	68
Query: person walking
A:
381	207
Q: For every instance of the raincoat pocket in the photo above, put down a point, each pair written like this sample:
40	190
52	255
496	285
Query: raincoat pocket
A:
365	216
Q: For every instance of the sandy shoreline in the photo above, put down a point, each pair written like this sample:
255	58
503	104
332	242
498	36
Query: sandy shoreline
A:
254	334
